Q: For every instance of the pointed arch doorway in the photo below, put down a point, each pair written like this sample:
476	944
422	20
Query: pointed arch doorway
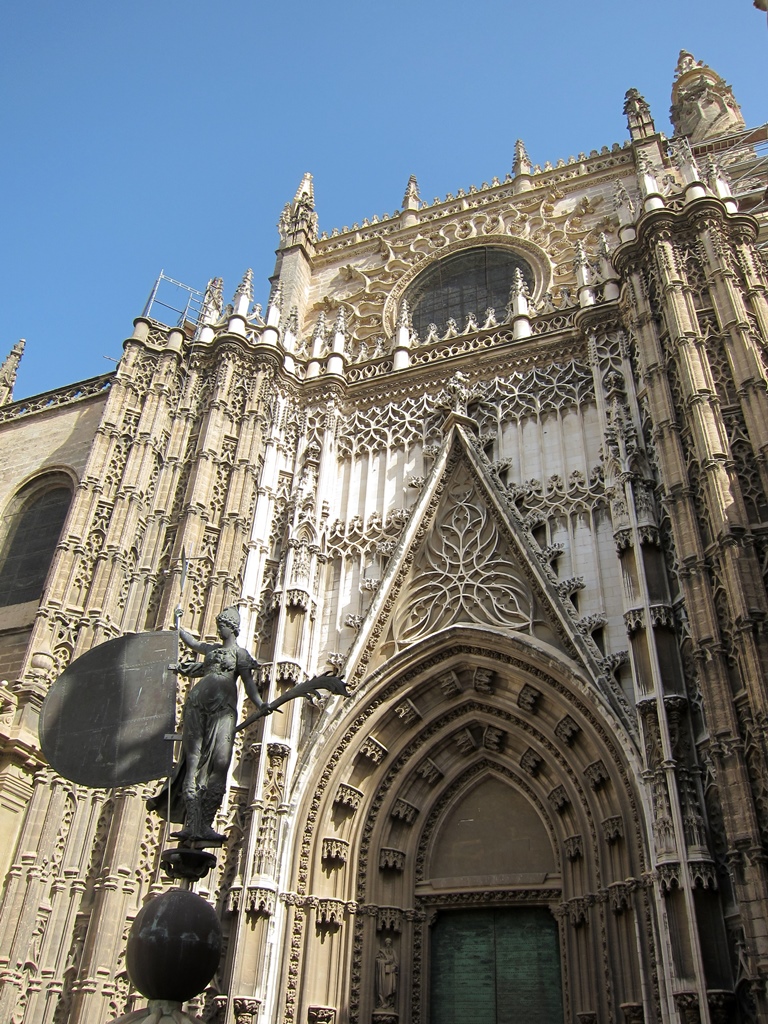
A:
494	955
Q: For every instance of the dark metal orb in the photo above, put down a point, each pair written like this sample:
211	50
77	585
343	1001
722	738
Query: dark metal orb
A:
174	946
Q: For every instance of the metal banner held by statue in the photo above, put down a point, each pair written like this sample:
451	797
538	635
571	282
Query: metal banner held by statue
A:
105	719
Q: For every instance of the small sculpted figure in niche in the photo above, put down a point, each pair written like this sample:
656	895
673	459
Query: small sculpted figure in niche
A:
387	967
208	730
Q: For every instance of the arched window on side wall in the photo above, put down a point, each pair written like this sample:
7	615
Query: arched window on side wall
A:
29	532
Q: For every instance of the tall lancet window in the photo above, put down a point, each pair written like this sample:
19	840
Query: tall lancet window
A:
470	281
29	531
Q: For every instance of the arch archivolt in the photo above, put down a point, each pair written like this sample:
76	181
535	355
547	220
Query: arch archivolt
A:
433	723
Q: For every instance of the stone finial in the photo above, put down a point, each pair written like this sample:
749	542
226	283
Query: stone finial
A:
213	301
519	287
638	114
404	315
244	294
607	270
340	323
274	307
623	205
522	162
584	275
292	323
684	160
8	371
718	183
646	177
411	199
306	190
703	104
686	62
298	221
276	298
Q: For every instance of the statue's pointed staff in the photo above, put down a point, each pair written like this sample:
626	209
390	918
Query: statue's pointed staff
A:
178	612
309	688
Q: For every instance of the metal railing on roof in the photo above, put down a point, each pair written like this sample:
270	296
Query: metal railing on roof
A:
175	298
743	157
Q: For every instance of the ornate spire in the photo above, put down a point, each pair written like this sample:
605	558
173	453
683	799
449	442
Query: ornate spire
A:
404	315
292	323
519	287
683	159
522	162
584	275
8	371
318	335
298	222
213	301
703	104
718	183
411	199
340	324
244	294
638	113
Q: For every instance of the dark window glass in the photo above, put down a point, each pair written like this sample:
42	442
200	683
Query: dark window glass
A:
32	530
466	282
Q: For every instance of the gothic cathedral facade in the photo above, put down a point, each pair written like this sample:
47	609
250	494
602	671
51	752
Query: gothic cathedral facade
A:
501	461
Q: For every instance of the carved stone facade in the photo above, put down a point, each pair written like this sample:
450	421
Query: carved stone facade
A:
533	537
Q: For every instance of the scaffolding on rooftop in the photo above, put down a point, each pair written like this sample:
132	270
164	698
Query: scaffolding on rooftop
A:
743	156
186	302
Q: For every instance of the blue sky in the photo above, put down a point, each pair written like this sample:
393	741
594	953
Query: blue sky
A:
168	134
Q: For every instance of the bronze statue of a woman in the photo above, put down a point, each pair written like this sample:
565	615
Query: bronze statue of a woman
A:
208	730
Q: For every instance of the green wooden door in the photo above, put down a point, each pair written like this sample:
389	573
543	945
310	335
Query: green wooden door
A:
495	966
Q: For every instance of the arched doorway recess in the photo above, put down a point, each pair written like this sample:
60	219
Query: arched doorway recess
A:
470	715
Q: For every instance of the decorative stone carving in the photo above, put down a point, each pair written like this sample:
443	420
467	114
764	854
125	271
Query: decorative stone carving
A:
687	1004
493	739
260	900
620	896
633	1013
391	859
669	876
466	572
335	850
246	1009
373	750
407	712
613	829
576	910
703	874
567	730
217	1007
348	796
329	912
528	698
321	1015
465	741
389	919
449	684
574	847
531	762
722	1005
558	799
404	811
597	774
482	680
430	771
